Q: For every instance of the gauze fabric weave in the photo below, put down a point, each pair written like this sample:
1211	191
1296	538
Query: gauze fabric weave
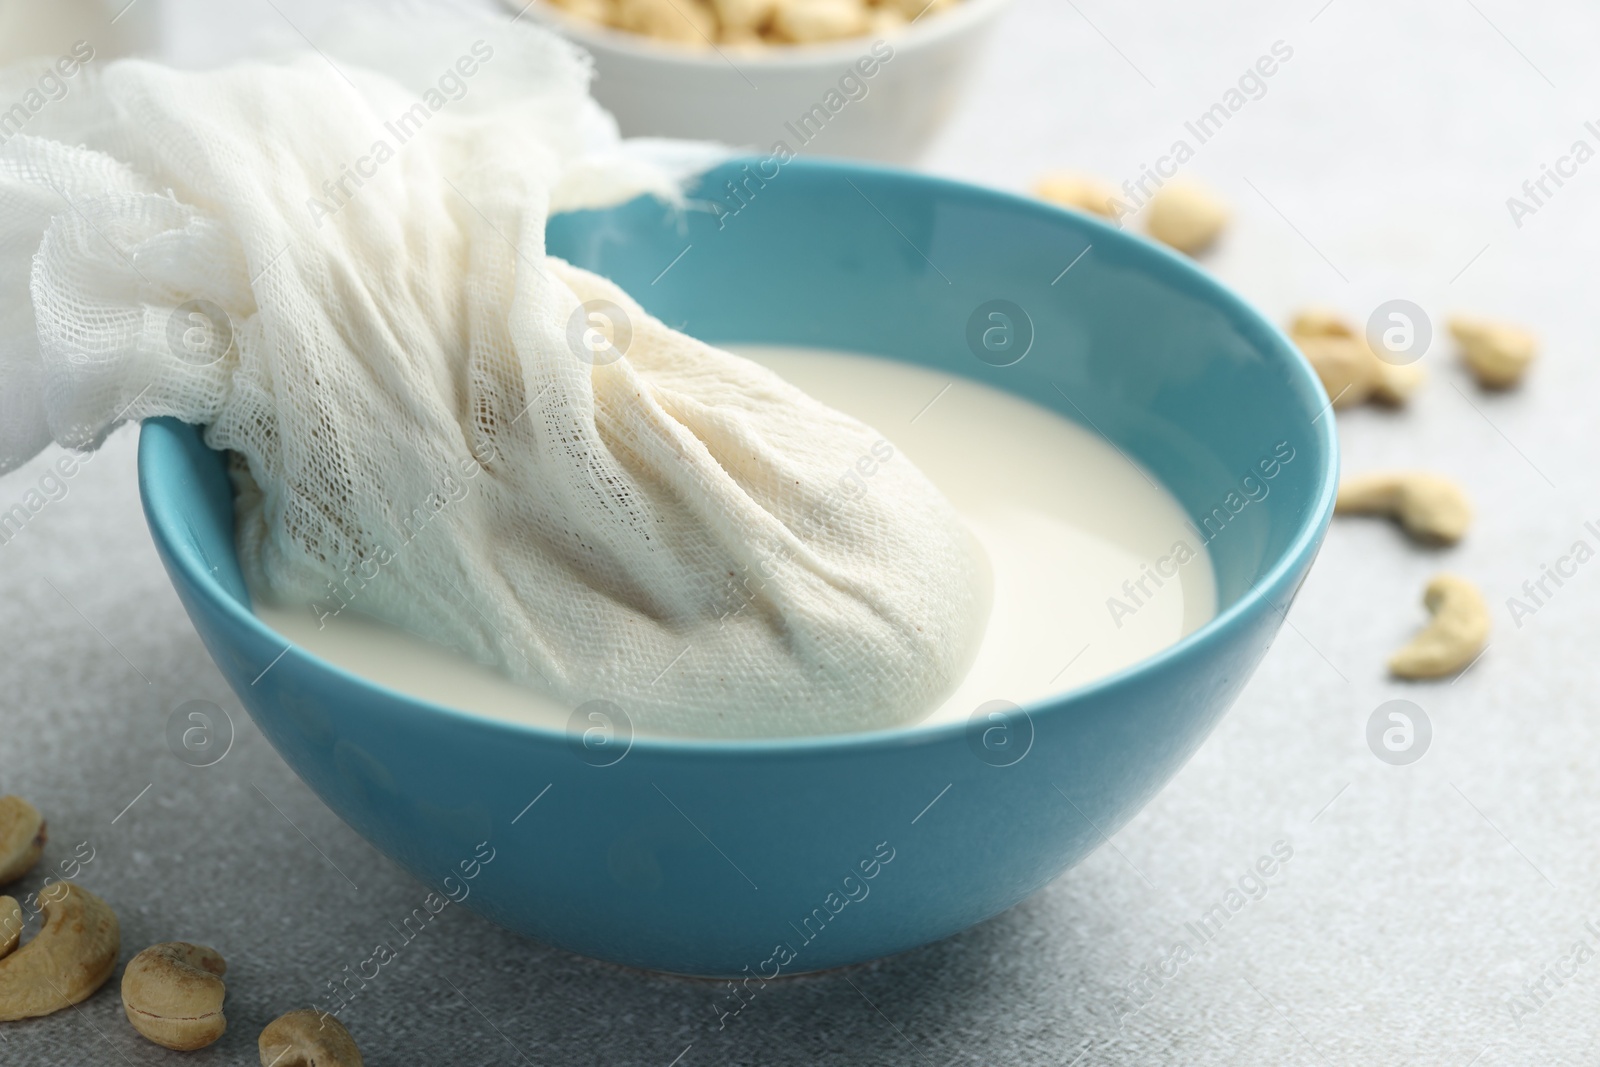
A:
430	422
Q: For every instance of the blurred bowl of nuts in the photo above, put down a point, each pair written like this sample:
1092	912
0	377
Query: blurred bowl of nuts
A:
868	79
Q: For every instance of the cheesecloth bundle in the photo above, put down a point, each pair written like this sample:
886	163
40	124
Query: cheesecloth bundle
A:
341	275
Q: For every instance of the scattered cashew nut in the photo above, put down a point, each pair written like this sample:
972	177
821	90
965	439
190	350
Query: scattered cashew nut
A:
1394	383
1496	353
71	956
1320	322
22	838
1079	192
307	1038
172	994
1350	372
1344	365
1453	639
1431	508
10	926
1186	217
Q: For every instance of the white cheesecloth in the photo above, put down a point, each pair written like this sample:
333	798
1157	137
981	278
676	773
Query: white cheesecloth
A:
336	265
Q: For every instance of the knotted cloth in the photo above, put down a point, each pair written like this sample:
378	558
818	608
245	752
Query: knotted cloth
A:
334	262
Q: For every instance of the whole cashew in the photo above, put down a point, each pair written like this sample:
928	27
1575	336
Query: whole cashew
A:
886	20
1455	636
1320	322
307	1038
1079	192
172	994
1394	383
1350	371
690	22
22	838
1496	353
589	10
1347	369
743	18
10	926
70	957
1186	217
1430	508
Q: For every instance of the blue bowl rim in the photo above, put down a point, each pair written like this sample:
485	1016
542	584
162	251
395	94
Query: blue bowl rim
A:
1163	262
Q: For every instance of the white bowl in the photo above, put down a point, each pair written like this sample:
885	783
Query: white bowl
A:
756	99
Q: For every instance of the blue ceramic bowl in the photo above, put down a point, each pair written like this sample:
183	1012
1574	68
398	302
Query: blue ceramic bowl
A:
735	858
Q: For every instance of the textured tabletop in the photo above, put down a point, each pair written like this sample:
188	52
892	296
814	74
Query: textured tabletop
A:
1429	913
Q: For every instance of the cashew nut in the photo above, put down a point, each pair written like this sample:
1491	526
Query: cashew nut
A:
1186	217
172	994
1430	508
601	11
743	19
1496	353
682	21
22	838
10	926
1344	365
307	1038
1455	636
809	21
1079	192
886	21
70	957
1394	383
1320	322
1350	371
914	8
753	24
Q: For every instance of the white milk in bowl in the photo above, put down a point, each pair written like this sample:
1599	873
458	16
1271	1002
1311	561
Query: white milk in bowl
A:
1083	545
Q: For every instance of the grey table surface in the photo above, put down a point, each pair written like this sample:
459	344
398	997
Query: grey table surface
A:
1423	903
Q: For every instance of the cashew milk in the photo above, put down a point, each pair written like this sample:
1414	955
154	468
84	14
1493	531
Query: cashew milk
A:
1065	518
